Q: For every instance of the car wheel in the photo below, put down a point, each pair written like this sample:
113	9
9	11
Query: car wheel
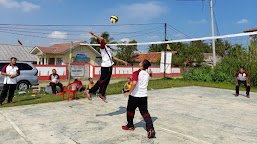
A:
23	85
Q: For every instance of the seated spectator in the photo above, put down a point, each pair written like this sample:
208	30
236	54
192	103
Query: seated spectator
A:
127	86
80	87
54	81
90	84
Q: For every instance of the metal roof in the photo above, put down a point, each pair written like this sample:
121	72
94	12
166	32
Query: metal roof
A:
22	53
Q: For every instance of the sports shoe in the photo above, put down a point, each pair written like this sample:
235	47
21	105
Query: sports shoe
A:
89	97
103	98
151	134
10	102
248	96
126	128
1	104
236	95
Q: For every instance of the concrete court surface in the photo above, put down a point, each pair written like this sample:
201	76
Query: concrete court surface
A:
184	115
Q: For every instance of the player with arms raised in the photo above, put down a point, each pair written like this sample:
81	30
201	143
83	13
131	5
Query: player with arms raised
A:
106	69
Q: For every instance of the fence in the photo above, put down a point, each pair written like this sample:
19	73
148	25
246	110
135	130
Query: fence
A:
85	70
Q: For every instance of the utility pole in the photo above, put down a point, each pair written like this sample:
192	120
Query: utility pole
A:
165	39
69	75
213	40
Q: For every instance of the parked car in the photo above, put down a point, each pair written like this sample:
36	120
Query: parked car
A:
28	75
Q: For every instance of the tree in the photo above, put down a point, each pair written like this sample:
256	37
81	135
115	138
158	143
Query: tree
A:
126	53
221	47
106	36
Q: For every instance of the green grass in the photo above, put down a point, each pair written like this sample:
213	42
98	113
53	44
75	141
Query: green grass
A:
116	89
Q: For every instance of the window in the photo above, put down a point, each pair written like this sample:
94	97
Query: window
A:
59	61
51	61
24	66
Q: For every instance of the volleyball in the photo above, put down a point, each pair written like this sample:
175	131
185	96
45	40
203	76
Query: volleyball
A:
114	19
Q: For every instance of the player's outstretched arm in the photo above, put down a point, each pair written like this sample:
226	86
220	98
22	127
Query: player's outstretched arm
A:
101	39
119	60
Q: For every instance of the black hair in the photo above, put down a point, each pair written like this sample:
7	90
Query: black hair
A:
76	80
53	69
13	58
129	78
146	64
89	78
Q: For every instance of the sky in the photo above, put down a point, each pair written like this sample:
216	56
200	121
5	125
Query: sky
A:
191	17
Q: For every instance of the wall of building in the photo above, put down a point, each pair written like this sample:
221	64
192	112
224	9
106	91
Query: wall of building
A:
90	54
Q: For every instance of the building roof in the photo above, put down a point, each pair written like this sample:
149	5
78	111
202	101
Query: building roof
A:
22	53
152	57
251	30
60	48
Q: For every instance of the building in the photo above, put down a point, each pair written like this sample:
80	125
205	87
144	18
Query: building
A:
59	54
153	57
208	58
22	53
252	37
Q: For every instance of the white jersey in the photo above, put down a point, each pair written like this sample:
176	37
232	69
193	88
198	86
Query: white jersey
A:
106	57
142	77
8	69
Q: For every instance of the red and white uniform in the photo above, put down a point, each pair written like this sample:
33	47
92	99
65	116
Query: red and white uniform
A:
8	69
54	78
242	76
142	77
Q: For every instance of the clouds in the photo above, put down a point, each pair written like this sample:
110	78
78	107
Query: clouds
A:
24	5
125	40
242	21
58	35
142	11
197	22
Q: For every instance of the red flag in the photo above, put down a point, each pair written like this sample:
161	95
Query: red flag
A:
187	61
19	42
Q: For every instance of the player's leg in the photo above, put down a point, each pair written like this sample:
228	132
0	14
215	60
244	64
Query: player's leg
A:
11	92
237	88
4	93
247	88
145	114
101	81
131	107
103	87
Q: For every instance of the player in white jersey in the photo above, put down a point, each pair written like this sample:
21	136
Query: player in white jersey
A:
106	69
138	98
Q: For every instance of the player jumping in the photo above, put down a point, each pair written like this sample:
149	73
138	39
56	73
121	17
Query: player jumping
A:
106	69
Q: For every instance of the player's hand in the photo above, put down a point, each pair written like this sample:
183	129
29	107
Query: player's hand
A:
126	94
126	63
150	72
248	84
236	84
91	33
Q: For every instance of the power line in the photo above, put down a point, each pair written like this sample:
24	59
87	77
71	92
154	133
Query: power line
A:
178	31
48	25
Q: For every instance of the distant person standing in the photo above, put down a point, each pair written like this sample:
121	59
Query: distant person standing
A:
54	81
242	77
10	71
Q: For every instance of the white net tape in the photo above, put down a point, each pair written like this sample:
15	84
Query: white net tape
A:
181	40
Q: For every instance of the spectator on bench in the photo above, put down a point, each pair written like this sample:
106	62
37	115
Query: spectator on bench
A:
54	81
